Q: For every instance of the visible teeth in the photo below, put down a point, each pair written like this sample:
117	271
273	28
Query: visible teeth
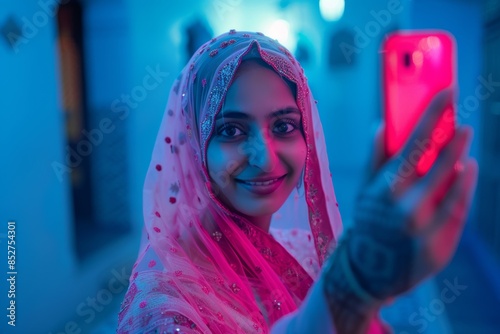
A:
261	183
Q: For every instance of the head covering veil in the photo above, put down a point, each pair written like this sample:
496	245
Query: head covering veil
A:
202	267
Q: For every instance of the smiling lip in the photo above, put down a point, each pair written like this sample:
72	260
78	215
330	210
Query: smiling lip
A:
262	186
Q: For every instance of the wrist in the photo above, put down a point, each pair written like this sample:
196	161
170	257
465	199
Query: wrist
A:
353	308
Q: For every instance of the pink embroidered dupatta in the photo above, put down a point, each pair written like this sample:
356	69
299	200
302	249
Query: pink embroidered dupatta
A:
201	267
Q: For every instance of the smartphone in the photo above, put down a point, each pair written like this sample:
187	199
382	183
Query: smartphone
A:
416	66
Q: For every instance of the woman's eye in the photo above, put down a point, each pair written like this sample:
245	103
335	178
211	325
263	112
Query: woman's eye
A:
230	131
285	127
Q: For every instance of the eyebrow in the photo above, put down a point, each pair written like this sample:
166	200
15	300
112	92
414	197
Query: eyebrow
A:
241	115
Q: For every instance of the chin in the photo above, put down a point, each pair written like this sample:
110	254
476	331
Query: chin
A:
259	207
254	206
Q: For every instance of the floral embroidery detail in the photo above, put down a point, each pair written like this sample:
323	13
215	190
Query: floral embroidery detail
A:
173	249
183	321
291	273
220	316
224	44
157	229
152	263
232	31
182	138
205	289
129	297
249	231
146	319
283	67
266	252
213	53
174	187
219	280
235	288
217	236
157	214
142	304
231	41
179	319
172	200
203	82
277	304
178	273
246	35
158	167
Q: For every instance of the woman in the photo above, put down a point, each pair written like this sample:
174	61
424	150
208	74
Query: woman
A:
241	149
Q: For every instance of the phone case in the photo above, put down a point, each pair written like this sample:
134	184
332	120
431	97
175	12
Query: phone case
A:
416	66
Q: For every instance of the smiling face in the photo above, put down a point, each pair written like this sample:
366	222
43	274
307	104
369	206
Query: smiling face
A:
257	151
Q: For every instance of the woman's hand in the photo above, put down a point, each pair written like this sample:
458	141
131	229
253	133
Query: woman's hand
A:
406	227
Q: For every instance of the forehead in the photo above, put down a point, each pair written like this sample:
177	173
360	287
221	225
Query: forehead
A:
258	90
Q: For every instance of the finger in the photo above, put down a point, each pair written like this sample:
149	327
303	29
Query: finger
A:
437	182
427	124
403	165
445	232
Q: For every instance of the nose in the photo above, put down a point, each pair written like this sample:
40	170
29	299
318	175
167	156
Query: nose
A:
262	152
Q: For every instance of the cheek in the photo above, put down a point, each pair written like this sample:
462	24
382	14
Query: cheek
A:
297	156
222	161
